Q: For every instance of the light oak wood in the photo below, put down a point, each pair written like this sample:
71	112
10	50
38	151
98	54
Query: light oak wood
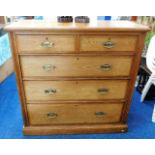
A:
105	101
75	66
75	90
76	84
59	43
73	113
75	129
96	43
98	26
80	53
19	78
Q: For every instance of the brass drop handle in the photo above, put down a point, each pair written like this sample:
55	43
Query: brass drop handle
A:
108	44
47	44
100	114
106	67
103	90
52	115
50	91
48	67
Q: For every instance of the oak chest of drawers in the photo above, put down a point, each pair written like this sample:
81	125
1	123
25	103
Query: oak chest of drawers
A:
76	78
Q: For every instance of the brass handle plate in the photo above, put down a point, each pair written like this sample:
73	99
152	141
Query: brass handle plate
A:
47	44
108	44
48	67
103	90
50	91
52	115
106	67
100	114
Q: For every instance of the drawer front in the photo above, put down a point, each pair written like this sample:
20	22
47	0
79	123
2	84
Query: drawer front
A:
108	43
46	114
46	43
75	90
76	66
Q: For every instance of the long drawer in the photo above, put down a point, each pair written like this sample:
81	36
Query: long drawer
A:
75	90
107	43
46	114
44	66
46	43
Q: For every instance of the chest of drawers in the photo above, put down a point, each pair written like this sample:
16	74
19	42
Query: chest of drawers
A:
75	78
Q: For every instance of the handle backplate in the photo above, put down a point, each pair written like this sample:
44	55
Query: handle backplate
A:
52	115
100	114
106	67
46	44
103	91
50	91
109	44
48	67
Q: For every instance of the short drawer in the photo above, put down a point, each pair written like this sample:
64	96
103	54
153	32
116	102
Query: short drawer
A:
45	43
47	114
50	66
108	43
75	90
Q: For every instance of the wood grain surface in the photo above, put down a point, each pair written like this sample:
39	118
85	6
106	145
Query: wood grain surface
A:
75	90
75	66
73	113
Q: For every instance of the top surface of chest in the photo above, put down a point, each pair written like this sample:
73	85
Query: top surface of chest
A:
92	26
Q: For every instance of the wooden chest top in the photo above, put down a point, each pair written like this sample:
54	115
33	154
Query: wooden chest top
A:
92	26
